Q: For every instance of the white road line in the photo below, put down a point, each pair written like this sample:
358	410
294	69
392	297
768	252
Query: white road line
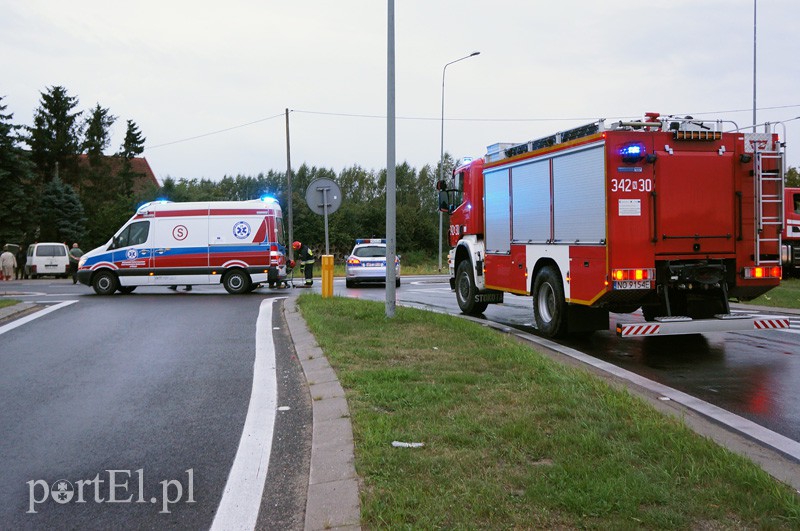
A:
28	318
241	498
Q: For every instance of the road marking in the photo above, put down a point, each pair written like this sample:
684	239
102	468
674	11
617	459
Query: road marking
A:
241	498
28	318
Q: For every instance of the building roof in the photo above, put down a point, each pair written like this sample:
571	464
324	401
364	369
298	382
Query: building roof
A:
139	165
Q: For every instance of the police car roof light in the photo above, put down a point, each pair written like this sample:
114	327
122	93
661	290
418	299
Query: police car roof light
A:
370	240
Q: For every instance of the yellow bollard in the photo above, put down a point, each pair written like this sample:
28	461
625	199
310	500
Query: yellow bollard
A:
327	276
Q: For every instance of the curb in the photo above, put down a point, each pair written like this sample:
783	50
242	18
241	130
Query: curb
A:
332	501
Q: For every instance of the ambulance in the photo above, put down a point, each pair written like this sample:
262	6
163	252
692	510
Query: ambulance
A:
239	244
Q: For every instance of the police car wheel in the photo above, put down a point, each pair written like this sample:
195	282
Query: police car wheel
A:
236	282
104	283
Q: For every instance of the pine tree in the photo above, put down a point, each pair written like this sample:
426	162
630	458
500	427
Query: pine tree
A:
16	176
55	136
61	216
97	137
132	146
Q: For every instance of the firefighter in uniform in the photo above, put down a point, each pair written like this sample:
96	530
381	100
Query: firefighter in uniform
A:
306	259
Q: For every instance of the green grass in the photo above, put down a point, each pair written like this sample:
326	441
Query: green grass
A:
516	440
4	303
787	295
408	267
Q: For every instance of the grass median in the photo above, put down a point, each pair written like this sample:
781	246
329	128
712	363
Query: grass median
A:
513	439
787	295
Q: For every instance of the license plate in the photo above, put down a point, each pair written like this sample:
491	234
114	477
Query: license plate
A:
372	265
49	265
632	284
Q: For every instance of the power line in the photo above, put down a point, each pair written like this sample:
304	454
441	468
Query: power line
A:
214	132
436	119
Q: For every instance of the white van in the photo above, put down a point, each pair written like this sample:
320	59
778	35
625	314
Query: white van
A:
47	258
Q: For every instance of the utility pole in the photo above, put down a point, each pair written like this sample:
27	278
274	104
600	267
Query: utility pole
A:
391	244
289	188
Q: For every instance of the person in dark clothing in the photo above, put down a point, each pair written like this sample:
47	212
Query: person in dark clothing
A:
306	259
74	259
22	258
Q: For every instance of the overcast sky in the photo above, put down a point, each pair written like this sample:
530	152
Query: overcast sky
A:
225	72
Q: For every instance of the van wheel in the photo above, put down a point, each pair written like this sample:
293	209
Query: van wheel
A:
549	306
236	282
105	283
466	291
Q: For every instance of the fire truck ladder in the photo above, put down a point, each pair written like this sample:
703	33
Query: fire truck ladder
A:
769	205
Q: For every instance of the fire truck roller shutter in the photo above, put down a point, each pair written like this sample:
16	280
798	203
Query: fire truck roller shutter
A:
530	188
579	196
497	209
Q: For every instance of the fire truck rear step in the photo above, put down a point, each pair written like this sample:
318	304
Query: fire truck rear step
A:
665	326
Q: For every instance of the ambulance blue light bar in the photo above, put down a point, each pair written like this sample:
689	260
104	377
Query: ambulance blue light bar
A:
268	199
370	240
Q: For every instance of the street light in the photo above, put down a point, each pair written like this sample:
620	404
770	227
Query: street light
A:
441	153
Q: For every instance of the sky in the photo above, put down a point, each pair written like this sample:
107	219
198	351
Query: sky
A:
208	83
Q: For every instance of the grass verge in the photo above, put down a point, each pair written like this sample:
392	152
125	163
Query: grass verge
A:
5	303
515	440
787	295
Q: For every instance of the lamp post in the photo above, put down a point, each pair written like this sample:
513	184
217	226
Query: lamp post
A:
441	153
754	65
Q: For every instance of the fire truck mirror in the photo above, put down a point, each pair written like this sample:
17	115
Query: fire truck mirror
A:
441	185
444	204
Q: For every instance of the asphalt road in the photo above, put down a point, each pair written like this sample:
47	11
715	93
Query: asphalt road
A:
138	402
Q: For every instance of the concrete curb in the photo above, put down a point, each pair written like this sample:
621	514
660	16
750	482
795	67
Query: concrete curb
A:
332	501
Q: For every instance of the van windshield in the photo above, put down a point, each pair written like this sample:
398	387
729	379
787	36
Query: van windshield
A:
51	250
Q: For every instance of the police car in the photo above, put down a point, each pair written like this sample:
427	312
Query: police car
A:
367	263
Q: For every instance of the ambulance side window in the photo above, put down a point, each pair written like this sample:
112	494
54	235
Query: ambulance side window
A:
279	229
134	234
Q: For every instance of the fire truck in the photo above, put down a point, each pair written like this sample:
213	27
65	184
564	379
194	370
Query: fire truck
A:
790	250
670	215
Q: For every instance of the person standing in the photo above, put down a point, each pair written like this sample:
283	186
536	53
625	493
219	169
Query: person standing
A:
306	258
22	259
74	259
7	263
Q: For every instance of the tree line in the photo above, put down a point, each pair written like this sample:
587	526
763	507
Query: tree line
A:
62	186
60	183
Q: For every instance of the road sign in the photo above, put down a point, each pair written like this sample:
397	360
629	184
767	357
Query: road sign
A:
324	197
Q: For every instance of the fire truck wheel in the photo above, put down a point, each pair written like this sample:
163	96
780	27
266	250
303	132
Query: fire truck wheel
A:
549	306
466	291
236	282
104	283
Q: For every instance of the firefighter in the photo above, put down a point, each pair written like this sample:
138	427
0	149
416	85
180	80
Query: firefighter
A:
306	259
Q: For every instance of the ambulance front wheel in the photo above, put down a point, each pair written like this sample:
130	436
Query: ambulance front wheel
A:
466	290
236	282
549	305
105	283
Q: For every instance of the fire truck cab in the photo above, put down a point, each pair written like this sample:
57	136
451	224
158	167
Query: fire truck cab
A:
671	215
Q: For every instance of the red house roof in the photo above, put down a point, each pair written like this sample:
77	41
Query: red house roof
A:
139	165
